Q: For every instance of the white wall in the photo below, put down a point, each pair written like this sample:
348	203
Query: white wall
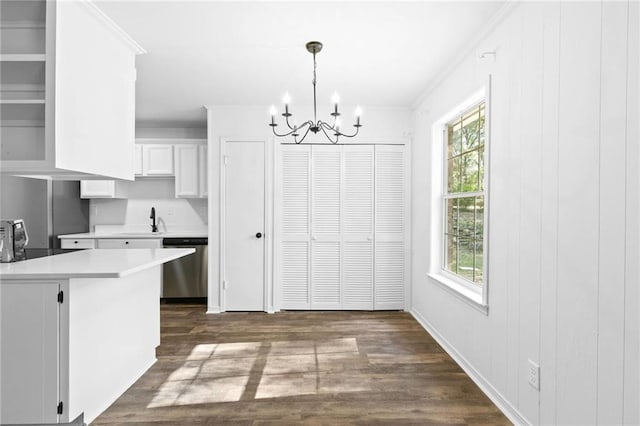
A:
563	265
27	199
251	123
173	214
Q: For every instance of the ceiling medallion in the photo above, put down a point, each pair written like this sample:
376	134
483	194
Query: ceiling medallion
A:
331	131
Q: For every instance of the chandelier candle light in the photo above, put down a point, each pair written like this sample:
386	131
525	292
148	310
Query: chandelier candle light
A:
314	126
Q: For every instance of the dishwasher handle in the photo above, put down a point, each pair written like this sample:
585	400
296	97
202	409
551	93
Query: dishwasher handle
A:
184	242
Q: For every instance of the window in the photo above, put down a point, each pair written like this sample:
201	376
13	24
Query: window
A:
460	200
464	196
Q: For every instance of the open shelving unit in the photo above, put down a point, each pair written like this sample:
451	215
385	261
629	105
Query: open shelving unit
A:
23	75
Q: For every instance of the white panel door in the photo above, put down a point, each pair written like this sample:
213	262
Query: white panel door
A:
390	197
243	225
294	217
357	227
326	227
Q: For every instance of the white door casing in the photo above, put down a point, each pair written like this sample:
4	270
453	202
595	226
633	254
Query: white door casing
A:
242	218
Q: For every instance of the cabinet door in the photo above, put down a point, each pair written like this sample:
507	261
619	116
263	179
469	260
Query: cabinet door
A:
157	160
326	227
187	173
293	223
123	243
84	243
29	353
357	227
97	189
390	213
137	160
204	171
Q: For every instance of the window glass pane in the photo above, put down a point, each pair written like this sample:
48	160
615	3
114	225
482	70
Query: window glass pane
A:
469	171
481	168
466	219
478	240
453	175
454	143
478	271
466	258
471	131
452	216
451	253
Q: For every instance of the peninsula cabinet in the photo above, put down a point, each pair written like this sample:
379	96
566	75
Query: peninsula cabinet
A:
77	331
67	91
341	227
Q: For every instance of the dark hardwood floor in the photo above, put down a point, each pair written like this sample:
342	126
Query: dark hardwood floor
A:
300	368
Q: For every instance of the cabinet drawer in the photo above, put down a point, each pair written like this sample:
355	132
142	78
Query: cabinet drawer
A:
67	243
120	243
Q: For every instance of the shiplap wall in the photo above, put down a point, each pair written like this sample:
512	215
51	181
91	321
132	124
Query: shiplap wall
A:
563	265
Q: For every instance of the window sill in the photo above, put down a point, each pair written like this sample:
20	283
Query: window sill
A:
460	291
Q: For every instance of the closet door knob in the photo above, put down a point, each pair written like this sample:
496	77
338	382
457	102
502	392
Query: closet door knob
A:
259	235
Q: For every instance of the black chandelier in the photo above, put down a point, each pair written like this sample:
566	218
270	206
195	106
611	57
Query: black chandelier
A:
314	126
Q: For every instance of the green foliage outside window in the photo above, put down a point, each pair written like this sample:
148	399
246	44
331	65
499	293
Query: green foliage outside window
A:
464	198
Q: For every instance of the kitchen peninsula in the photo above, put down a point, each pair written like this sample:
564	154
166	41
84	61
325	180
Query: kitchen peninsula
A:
77	329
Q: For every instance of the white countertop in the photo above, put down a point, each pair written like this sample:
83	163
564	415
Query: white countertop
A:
95	263
131	235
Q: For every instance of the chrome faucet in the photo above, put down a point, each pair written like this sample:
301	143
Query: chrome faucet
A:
154	227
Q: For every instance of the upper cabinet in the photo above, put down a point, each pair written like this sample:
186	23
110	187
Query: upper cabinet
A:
157	160
67	91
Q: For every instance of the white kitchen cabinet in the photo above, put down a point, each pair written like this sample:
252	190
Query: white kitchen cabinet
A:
120	243
157	160
55	120
103	189
187	168
137	160
203	171
341	227
191	170
84	243
34	344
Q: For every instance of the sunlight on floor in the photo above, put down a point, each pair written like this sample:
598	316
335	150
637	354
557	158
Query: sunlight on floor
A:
229	372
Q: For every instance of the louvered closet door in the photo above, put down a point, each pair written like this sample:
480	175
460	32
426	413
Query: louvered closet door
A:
389	275
357	227
325	227
294	217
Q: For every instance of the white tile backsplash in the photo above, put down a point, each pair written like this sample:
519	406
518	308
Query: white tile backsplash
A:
132	214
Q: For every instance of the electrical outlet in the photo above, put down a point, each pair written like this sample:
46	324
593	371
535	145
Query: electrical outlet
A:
534	375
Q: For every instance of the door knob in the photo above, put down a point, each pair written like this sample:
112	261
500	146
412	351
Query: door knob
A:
259	235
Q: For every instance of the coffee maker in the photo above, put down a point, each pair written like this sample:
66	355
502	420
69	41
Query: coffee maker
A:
13	239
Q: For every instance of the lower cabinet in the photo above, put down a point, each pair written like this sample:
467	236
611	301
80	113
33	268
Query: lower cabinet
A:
111	243
70	347
67	243
118	243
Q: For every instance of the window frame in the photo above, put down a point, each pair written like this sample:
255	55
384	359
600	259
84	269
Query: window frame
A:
463	288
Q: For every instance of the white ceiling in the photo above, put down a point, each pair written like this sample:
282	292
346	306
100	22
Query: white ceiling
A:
250	53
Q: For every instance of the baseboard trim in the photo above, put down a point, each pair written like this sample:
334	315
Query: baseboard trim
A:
496	397
214	310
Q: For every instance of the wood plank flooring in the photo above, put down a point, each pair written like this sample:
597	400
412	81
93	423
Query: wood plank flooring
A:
331	368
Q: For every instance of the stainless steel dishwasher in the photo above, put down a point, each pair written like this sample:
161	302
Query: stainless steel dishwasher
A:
185	279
